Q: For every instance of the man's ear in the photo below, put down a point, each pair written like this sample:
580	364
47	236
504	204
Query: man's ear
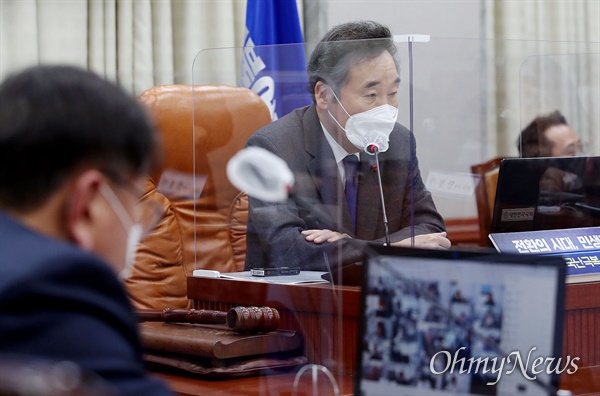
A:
323	95
84	208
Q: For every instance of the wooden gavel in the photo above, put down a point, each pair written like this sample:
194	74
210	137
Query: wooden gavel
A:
238	319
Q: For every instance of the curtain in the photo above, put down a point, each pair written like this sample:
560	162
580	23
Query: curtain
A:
531	77
138	43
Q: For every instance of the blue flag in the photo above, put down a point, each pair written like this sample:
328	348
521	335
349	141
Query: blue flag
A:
275	72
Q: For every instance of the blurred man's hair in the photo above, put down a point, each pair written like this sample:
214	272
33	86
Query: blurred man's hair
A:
532	141
342	46
56	121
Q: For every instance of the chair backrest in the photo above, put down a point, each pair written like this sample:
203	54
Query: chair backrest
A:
204	216
485	194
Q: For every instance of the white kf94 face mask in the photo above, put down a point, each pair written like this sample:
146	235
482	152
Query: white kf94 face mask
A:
371	127
134	230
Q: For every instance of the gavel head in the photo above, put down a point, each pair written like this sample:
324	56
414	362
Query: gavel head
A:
253	319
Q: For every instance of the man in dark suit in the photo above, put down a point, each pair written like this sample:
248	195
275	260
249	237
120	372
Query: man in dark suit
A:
354	89
74	150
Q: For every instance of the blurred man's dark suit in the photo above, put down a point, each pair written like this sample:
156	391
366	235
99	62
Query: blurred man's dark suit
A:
47	289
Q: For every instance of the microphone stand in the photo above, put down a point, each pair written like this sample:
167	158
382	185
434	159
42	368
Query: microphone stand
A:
375	150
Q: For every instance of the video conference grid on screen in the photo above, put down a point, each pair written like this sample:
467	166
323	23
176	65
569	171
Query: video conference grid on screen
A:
424	313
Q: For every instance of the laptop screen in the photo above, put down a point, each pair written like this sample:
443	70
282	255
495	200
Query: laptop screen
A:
547	193
451	322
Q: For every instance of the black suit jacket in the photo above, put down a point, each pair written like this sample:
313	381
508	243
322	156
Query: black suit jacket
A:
273	235
58	303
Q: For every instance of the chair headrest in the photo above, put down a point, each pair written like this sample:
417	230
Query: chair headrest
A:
208	117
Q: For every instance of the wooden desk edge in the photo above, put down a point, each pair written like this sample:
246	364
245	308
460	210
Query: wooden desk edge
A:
317	297
582	296
578	295
280	383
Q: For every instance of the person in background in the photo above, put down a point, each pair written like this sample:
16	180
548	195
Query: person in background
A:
354	79
74	152
549	136
565	184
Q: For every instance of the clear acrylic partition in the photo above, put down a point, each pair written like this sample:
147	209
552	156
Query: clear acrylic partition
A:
473	97
465	101
560	120
318	201
274	229
567	83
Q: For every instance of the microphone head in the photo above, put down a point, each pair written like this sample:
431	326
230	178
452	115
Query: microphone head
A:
373	141
371	148
261	174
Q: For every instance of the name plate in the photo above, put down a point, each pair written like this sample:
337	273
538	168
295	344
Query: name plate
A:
579	246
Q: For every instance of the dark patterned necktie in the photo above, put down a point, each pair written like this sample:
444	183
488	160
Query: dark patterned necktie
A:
351	186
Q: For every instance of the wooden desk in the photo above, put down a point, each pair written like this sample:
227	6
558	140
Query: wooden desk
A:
272	385
463	232
581	337
327	316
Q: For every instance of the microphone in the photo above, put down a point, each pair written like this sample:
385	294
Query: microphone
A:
261	174
372	148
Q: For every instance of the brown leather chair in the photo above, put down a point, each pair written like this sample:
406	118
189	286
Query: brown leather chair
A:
485	194
201	228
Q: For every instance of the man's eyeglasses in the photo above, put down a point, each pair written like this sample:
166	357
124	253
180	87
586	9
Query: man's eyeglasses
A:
146	214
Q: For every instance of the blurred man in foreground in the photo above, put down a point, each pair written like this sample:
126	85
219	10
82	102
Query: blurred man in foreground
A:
74	150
